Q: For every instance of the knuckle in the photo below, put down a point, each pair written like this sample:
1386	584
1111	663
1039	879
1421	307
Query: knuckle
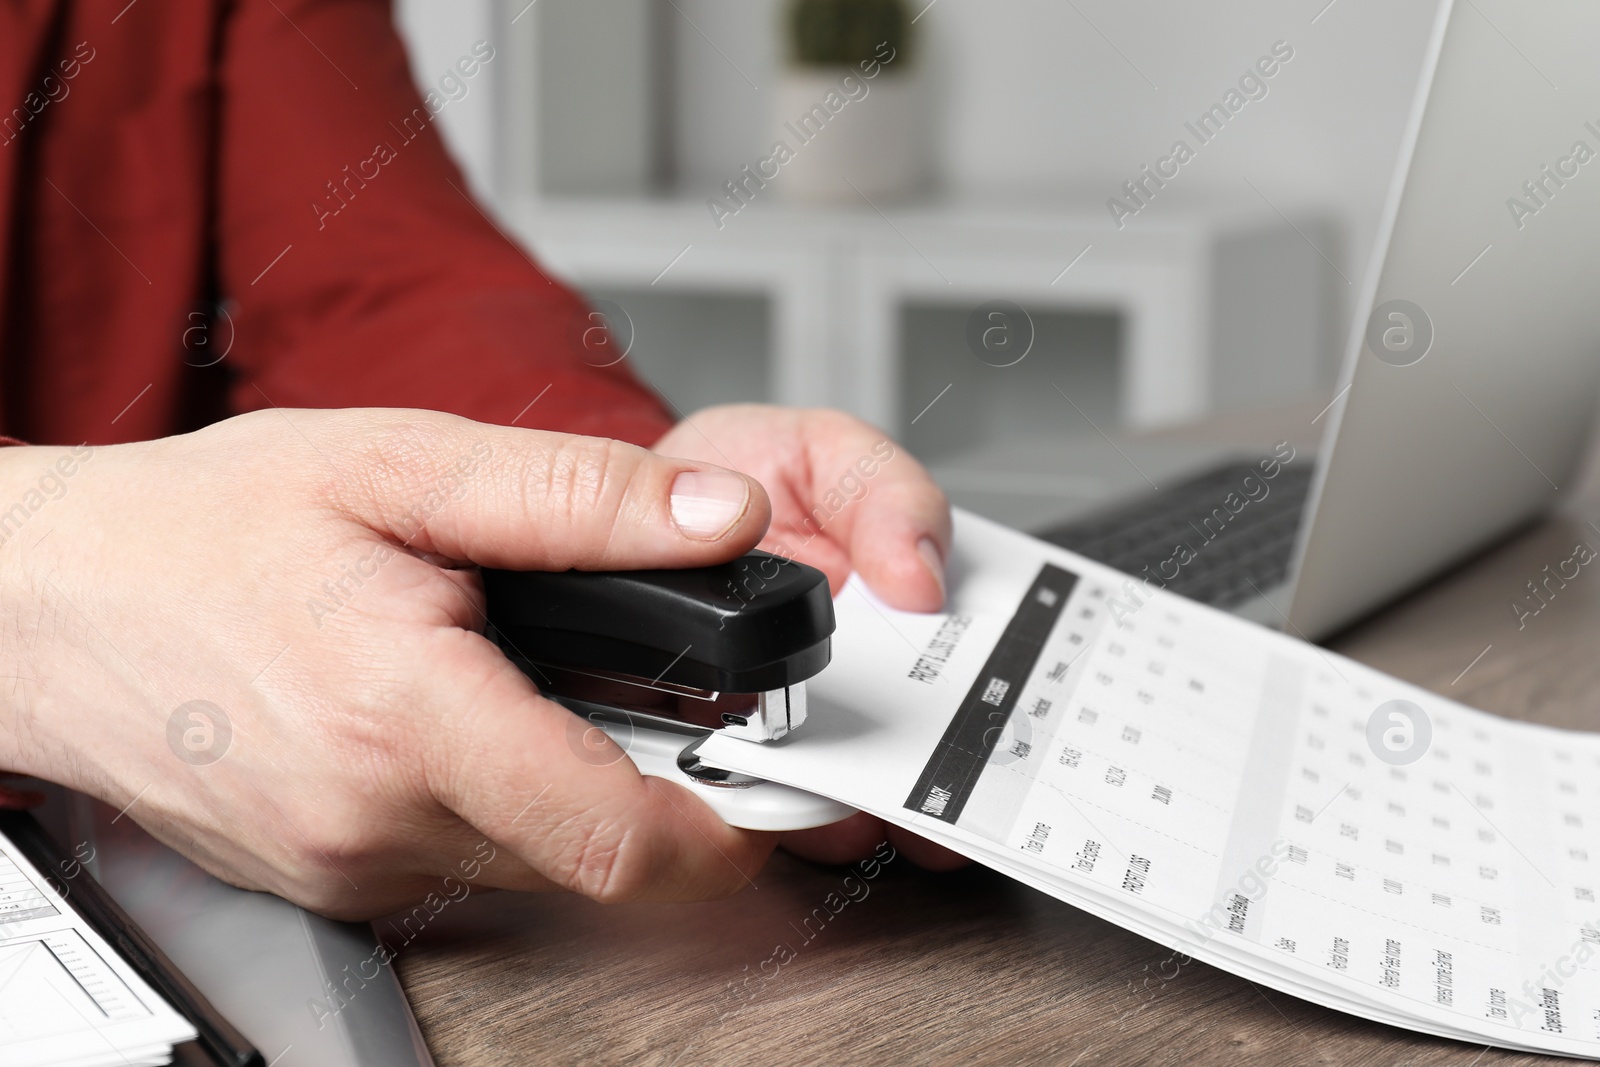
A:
578	487
396	459
576	475
327	844
411	438
402	453
611	865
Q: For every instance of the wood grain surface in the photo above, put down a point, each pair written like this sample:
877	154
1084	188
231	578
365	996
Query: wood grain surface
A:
971	967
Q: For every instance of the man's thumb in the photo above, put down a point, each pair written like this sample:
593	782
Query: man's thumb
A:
521	499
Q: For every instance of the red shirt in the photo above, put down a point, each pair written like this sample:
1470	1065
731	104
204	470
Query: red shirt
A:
162	157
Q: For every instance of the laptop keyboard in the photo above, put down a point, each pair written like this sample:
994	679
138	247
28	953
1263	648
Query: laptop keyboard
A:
1216	538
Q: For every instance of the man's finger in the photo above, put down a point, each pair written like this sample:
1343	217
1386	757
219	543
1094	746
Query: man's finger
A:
855	839
924	853
898	531
571	805
842	842
792	542
532	500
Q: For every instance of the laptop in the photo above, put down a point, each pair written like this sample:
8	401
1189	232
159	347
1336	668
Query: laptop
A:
1473	364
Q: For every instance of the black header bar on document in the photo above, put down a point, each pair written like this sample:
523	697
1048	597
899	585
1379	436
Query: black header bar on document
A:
959	758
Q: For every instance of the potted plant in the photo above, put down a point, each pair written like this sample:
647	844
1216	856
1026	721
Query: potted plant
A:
848	108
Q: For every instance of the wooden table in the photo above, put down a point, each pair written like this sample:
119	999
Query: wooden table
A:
971	967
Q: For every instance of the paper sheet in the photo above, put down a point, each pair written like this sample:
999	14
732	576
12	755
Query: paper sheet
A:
1249	799
66	998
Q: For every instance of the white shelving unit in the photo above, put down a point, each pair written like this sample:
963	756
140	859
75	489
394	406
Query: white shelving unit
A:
1216	304
838	281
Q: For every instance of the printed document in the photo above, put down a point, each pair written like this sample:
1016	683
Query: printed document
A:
1249	799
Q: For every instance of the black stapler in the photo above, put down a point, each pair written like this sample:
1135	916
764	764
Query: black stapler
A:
660	659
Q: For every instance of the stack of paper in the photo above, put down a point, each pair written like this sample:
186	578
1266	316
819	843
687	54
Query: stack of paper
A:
66	998
1258	803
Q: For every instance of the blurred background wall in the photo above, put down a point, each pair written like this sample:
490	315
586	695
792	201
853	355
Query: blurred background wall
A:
603	127
1050	96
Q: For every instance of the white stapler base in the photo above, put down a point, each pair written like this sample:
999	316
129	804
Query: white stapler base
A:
759	806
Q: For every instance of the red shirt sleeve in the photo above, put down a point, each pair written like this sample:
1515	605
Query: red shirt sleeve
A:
361	270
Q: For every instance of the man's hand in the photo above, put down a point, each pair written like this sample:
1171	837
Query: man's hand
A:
263	640
844	498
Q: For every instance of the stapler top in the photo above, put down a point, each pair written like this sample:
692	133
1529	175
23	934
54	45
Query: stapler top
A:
720	647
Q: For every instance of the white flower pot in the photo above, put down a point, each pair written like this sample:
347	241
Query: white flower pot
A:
846	130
